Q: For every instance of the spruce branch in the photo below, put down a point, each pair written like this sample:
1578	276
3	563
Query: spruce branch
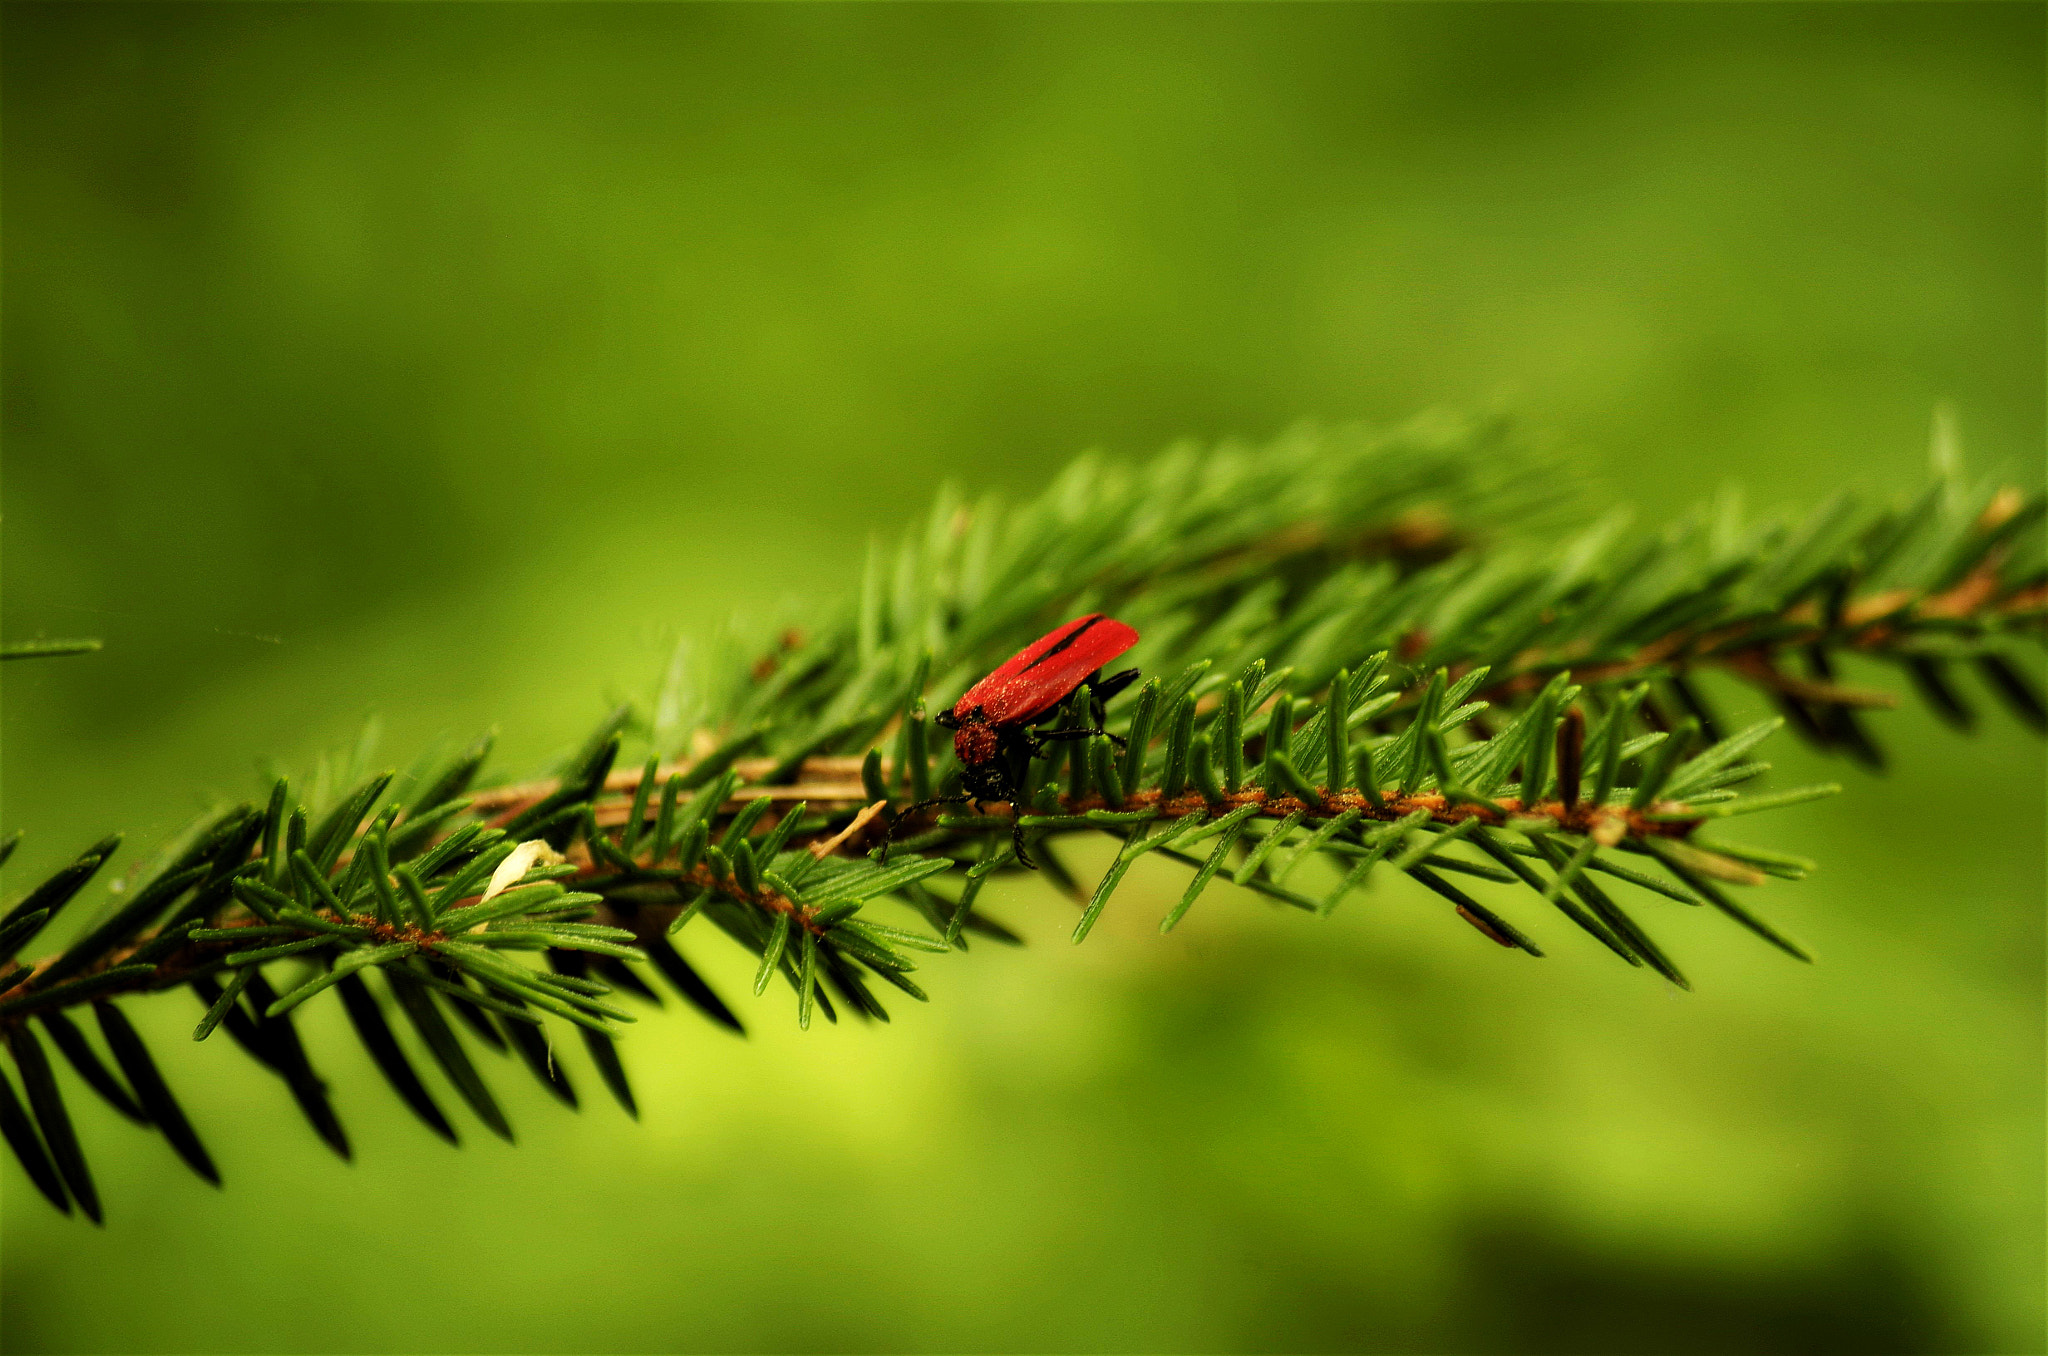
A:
1388	653
1954	576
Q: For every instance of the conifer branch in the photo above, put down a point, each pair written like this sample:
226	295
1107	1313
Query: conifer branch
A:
1365	650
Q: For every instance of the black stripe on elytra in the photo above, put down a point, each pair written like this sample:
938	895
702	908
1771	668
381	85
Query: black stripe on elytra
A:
1064	643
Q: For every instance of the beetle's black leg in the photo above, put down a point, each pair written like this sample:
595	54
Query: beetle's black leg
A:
1050	735
1047	736
1104	690
1100	691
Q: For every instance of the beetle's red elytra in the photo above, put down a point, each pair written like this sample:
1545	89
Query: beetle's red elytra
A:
1036	679
992	721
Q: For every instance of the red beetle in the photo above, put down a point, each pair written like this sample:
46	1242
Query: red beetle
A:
992	721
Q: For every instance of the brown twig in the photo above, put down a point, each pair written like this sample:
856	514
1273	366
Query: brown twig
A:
1615	821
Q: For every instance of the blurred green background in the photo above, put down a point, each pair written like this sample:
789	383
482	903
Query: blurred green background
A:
450	361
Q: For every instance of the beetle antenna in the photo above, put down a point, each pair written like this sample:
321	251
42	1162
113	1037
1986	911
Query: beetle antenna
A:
901	817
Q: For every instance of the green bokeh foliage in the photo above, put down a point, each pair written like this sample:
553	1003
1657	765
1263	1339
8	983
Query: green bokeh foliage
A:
451	361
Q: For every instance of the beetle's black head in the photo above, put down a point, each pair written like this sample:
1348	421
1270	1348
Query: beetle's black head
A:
988	779
948	719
